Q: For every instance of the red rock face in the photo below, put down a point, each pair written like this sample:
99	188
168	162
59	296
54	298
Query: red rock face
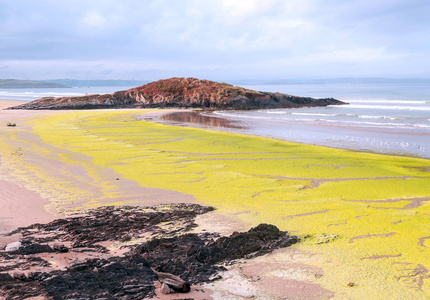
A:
187	92
181	92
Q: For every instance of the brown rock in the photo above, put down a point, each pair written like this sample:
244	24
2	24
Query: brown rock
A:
174	282
19	276
13	246
165	289
60	248
181	92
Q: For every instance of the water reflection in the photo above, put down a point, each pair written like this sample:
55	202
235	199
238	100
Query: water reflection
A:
191	117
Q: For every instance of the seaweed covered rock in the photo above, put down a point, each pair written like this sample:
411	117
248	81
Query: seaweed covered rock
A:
111	223
195	257
27	247
170	254
115	278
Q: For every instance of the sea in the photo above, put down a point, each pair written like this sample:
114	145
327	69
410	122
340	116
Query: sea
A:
390	118
37	93
383	118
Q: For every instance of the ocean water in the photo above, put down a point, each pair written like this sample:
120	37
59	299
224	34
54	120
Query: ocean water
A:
383	118
34	94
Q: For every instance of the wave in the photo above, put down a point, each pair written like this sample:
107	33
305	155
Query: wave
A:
382	124
337	122
244	116
346	115
379	117
422	125
275	112
64	94
314	114
29	96
341	115
387	107
389	101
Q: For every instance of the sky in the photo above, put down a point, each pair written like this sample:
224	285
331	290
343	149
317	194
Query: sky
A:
214	39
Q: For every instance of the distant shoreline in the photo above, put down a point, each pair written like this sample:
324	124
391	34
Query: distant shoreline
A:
28	84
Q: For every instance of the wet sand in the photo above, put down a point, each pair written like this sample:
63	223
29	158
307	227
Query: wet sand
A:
19	206
26	202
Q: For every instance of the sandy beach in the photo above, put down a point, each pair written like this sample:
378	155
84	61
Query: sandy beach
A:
213	150
127	190
19	206
67	162
24	202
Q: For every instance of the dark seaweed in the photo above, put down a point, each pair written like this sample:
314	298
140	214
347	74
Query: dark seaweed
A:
193	257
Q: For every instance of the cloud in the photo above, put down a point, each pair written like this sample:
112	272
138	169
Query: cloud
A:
230	38
94	19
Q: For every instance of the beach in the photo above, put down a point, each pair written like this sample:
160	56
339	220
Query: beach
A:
19	206
214	150
362	217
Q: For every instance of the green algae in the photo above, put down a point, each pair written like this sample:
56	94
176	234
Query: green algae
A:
358	210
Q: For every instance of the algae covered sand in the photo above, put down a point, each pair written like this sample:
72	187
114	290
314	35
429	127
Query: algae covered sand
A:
364	217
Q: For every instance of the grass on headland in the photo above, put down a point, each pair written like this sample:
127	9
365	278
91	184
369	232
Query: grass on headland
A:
371	209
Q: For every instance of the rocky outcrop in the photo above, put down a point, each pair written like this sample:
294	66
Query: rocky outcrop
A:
181	92
155	245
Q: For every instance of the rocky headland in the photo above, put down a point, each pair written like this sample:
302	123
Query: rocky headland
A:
181	93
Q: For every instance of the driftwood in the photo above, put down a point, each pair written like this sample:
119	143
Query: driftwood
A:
174	282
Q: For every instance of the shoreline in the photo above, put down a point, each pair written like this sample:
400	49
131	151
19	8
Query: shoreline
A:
220	169
208	120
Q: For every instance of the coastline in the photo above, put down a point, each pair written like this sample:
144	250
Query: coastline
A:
169	163
254	127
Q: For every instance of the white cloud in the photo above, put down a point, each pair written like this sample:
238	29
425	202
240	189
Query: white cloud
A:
235	12
356	55
237	37
94	20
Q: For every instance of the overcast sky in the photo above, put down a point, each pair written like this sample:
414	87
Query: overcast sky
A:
214	39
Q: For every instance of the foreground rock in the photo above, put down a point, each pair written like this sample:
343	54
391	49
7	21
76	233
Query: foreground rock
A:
156	245
181	92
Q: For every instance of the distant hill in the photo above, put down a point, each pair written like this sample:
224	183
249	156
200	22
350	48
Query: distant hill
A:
28	84
181	92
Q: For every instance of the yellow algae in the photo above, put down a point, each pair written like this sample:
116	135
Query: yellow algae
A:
367	216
